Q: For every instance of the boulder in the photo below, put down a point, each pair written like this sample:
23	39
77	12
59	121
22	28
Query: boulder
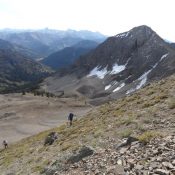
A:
127	142
162	172
168	165
51	137
84	152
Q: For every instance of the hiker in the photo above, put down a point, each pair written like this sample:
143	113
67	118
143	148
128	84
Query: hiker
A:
5	144
70	119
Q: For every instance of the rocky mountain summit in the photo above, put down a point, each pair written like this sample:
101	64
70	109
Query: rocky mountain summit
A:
121	65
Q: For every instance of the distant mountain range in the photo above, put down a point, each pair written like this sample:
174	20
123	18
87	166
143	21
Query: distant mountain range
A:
120	65
16	70
42	43
68	55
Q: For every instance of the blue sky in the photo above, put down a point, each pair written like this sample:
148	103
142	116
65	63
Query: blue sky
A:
106	16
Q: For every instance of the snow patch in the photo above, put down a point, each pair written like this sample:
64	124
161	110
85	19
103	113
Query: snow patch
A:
163	56
127	61
100	73
116	68
107	87
97	72
122	35
119	87
143	78
130	91
113	83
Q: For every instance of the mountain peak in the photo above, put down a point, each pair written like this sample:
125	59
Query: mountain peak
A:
141	32
121	65
142	27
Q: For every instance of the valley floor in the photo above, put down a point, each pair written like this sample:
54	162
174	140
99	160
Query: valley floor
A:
25	115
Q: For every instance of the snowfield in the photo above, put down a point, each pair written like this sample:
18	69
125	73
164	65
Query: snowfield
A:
119	87
107	87
101	73
97	72
144	77
117	69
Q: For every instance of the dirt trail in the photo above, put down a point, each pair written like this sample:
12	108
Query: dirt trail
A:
23	116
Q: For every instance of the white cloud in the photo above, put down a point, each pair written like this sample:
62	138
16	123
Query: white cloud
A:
107	16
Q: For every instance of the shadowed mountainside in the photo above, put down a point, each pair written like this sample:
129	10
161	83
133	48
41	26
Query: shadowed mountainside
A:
16	70
68	55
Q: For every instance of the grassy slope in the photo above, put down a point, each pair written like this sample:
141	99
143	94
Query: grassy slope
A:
148	109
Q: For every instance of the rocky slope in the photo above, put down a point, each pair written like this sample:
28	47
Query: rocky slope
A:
16	70
95	144
120	65
156	157
45	42
68	55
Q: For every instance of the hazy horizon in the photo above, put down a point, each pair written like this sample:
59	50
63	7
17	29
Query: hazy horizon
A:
107	17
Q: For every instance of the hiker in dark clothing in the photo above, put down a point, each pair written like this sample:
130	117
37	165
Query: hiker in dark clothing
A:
5	144
70	119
